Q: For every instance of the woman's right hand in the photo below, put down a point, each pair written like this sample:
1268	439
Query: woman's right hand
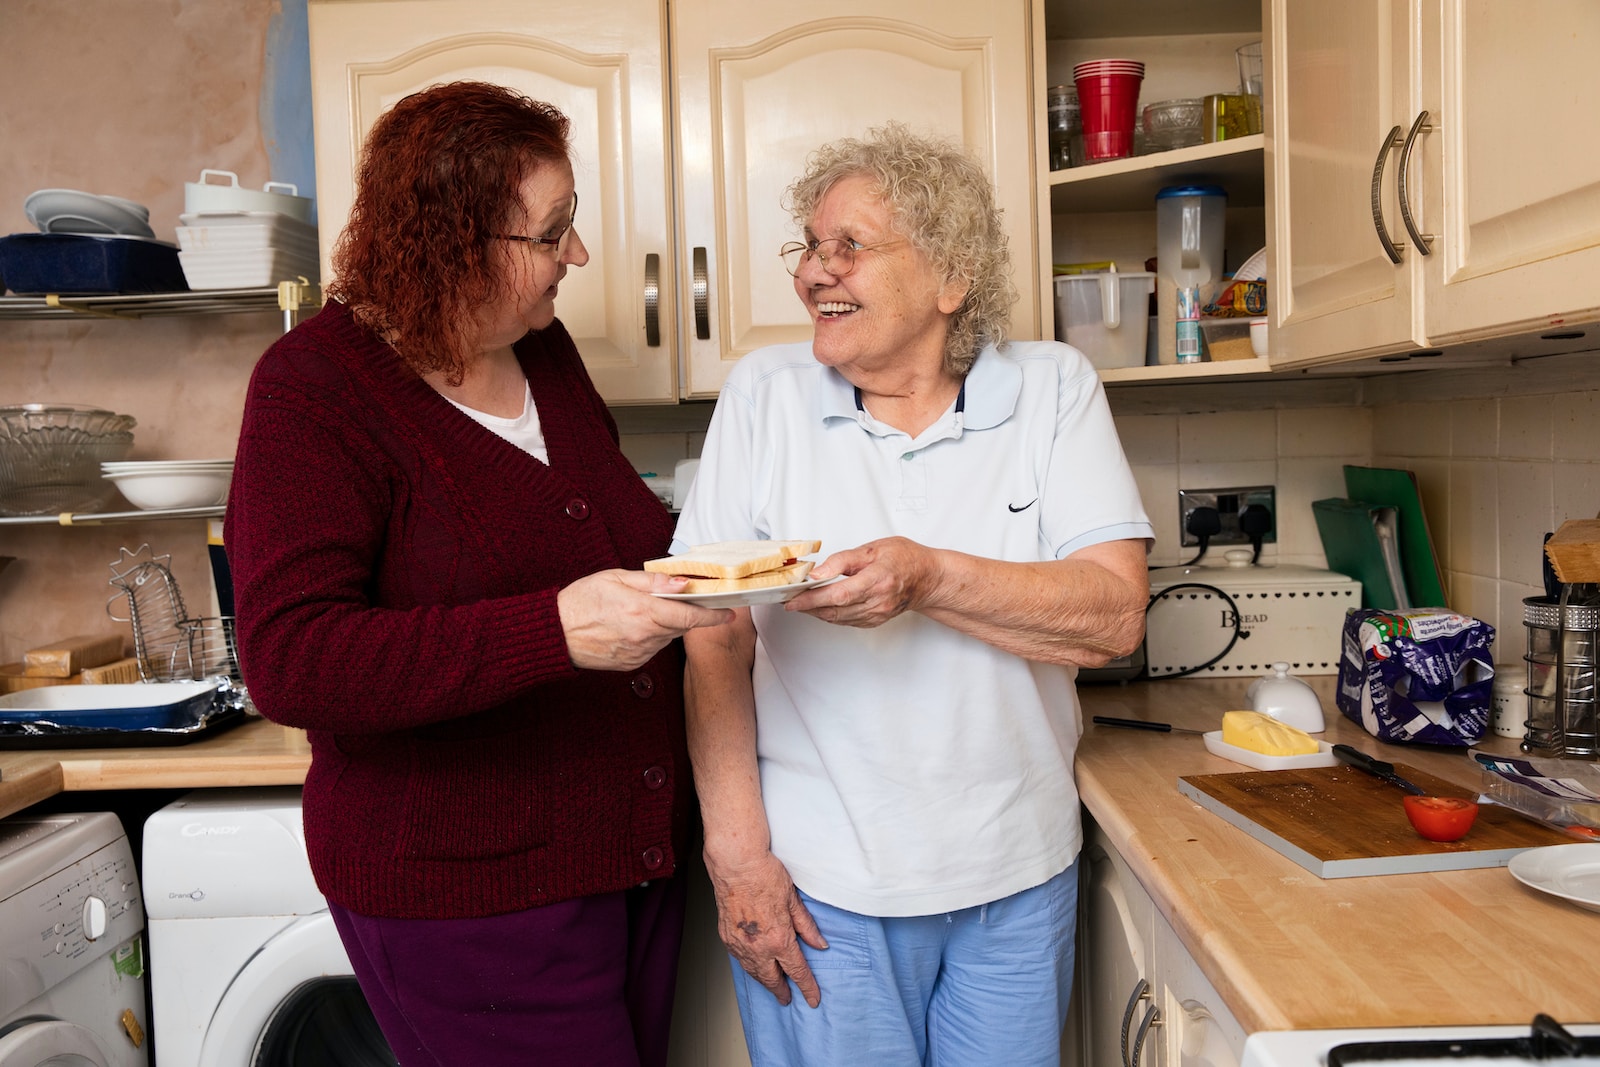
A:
612	622
762	920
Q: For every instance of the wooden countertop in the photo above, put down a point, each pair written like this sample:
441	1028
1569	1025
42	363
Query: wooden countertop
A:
256	752
1284	948
1288	950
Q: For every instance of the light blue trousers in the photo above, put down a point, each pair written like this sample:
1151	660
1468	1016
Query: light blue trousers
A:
980	987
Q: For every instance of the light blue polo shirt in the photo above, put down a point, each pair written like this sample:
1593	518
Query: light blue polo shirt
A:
909	769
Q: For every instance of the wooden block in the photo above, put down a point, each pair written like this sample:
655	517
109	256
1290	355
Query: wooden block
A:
121	672
64	658
1574	551
13	680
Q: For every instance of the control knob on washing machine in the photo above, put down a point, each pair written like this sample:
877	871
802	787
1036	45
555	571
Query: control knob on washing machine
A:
94	918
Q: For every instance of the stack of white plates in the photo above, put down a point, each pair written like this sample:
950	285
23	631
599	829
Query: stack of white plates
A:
74	211
179	483
245	249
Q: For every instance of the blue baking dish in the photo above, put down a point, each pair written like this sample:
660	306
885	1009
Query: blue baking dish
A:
39	263
134	706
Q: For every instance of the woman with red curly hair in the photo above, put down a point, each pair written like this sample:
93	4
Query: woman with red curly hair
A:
437	548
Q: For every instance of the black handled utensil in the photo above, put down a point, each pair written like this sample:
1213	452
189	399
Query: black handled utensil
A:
1377	768
1141	724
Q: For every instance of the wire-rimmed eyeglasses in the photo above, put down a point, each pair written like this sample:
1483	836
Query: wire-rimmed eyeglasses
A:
557	239
837	255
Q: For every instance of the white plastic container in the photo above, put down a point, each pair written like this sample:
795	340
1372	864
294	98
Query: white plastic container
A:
1105	316
206	195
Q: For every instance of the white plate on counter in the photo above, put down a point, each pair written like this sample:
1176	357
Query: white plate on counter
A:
1571	872
745	598
1322	757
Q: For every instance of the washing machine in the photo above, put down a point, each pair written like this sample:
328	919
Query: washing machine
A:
246	968
72	973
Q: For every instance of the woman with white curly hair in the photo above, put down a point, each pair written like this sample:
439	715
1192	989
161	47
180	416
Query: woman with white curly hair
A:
884	763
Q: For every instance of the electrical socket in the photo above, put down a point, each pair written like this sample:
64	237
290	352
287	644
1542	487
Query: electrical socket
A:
1230	504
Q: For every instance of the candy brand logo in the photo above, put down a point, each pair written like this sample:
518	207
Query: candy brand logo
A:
1228	618
197	829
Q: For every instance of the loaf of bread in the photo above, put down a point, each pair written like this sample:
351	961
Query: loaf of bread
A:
64	658
119	672
1256	732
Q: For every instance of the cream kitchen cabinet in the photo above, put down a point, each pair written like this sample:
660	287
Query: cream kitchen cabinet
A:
1451	126
1142	1001
689	120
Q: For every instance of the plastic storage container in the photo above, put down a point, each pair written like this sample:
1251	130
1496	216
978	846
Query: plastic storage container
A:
38	263
1105	315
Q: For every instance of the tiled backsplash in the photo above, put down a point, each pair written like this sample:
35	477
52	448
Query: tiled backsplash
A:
1502	456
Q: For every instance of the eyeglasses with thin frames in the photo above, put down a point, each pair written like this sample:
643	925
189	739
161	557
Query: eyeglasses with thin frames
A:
559	241
837	255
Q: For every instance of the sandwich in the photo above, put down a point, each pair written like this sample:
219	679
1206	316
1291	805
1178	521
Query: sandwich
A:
731	566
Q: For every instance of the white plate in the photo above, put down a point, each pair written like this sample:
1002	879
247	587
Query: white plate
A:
1322	757
72	211
744	598
1571	872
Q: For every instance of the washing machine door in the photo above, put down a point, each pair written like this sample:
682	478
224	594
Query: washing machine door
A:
295	1004
50	1043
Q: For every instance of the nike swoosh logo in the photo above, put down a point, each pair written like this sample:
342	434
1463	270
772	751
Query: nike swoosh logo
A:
1014	509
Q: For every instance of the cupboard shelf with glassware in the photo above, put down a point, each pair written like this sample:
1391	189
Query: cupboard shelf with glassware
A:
1106	211
1445	130
689	120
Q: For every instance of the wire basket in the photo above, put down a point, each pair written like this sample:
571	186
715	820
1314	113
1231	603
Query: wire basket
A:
169	645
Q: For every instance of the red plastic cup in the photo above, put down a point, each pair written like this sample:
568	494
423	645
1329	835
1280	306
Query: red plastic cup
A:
1108	101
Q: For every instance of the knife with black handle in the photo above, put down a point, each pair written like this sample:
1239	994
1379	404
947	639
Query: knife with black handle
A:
1141	724
1377	768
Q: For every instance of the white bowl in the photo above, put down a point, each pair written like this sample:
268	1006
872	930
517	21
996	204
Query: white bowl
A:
153	490
1258	337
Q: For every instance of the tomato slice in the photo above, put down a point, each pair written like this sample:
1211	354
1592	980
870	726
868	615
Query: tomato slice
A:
1441	818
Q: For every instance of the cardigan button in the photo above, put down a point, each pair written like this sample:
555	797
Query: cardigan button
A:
655	778
578	509
653	858
643	686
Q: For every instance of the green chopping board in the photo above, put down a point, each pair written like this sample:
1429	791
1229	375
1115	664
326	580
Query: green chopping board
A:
1398	489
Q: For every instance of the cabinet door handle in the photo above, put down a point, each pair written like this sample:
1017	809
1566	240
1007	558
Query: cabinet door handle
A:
1141	989
1424	240
652	300
702	295
1389	246
1152	1017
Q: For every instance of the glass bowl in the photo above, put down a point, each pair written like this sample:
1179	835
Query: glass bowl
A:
50	456
1174	123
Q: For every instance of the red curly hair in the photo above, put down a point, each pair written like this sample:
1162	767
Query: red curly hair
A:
441	172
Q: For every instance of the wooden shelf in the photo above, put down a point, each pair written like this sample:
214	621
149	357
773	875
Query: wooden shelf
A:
1178	373
1238	166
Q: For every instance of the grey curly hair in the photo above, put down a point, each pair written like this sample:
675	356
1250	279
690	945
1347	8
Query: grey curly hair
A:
941	201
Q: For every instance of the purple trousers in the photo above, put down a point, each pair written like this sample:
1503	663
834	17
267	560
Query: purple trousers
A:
587	981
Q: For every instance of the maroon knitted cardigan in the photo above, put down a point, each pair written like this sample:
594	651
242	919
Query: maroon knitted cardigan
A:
396	567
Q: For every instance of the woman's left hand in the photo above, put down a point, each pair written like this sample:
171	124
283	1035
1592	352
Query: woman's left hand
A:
884	578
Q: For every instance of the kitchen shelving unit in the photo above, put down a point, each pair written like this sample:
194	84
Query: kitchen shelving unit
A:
289	297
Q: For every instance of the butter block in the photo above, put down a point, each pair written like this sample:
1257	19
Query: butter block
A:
1262	733
64	658
119	672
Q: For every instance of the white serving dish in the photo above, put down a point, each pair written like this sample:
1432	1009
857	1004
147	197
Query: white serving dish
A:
129	706
166	488
227	195
246	268
1322	757
246	238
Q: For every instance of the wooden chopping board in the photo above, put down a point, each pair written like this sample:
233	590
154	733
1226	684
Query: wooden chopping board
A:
1339	822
